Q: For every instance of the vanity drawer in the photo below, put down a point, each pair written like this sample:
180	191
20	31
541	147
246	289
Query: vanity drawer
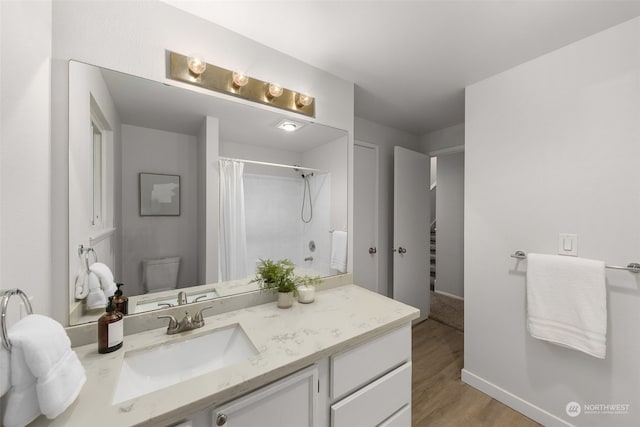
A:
402	418
377	402
358	366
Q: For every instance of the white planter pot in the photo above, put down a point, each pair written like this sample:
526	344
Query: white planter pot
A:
285	299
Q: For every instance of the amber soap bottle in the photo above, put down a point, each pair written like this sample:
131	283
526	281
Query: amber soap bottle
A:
110	329
121	302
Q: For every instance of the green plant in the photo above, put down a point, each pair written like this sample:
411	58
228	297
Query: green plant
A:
307	280
275	275
279	276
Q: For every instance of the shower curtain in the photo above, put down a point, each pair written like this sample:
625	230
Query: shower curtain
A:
233	236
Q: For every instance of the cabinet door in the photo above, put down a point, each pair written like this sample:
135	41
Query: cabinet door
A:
290	402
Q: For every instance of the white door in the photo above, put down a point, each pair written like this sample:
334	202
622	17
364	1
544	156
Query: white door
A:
411	229
365	214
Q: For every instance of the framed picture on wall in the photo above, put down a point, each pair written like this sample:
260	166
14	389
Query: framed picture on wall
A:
159	194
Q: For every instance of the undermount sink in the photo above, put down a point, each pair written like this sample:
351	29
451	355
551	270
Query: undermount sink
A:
147	370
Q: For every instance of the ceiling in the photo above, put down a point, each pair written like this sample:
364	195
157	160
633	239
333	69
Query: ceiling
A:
411	60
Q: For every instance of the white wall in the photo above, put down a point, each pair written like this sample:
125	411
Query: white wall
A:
450	139
385	138
208	196
332	157
143	237
89	92
551	147
25	155
450	225
110	34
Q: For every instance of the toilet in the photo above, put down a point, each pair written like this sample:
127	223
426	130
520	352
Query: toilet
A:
160	274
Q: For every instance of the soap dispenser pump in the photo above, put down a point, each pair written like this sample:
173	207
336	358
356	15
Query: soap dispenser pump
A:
121	302
110	329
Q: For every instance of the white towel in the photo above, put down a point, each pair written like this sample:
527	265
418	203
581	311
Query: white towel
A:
567	302
106	278
82	284
46	375
339	251
95	298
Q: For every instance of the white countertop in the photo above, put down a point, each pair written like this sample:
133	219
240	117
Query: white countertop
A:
287	340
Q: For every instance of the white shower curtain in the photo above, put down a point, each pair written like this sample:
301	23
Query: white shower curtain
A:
233	235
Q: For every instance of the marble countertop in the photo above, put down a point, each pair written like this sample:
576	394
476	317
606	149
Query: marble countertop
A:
287	340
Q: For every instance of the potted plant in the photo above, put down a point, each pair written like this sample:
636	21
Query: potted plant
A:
279	277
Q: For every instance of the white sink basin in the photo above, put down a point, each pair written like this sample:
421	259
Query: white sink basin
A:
147	370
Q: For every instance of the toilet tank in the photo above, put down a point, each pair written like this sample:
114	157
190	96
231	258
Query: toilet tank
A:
160	274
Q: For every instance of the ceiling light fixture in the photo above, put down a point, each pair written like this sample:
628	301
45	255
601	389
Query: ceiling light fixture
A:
240	79
289	125
196	64
274	91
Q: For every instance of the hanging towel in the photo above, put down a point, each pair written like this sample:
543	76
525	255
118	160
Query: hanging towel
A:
95	298
106	278
46	375
567	302
82	284
339	251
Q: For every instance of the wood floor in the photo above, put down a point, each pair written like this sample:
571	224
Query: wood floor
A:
440	398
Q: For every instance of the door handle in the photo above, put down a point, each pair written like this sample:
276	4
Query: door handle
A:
402	250
373	251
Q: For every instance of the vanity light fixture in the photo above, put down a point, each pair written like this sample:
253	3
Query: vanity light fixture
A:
289	125
274	91
239	79
196	63
303	100
195	71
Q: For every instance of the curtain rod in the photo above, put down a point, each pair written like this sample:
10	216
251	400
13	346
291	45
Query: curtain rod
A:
255	162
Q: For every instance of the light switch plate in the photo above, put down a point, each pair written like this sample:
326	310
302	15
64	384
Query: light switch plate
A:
568	244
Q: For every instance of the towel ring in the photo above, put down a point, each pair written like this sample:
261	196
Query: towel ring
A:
6	296
86	251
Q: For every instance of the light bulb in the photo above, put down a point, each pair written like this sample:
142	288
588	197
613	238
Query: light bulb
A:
196	64
240	79
274	90
303	100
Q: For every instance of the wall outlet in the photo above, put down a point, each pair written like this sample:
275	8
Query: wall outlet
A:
568	244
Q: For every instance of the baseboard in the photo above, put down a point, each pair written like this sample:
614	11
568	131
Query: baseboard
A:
446	294
528	409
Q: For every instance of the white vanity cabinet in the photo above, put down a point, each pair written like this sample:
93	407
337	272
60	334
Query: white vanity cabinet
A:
371	383
367	385
290	402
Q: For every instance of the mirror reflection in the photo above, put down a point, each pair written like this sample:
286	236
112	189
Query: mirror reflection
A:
178	194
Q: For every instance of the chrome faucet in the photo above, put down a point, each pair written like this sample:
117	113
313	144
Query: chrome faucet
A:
182	298
186	324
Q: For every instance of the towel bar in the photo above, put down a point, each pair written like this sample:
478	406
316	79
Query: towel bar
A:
632	267
6	295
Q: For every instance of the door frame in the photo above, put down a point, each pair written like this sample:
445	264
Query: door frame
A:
376	211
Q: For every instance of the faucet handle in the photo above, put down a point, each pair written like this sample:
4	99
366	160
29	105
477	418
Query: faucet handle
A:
199	318
173	323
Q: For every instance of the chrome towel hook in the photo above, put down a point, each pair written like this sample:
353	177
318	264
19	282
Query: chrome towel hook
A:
6	295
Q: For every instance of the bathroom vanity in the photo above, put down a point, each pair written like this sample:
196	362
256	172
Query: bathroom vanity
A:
343	360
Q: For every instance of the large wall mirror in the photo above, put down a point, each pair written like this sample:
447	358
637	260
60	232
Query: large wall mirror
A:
180	193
